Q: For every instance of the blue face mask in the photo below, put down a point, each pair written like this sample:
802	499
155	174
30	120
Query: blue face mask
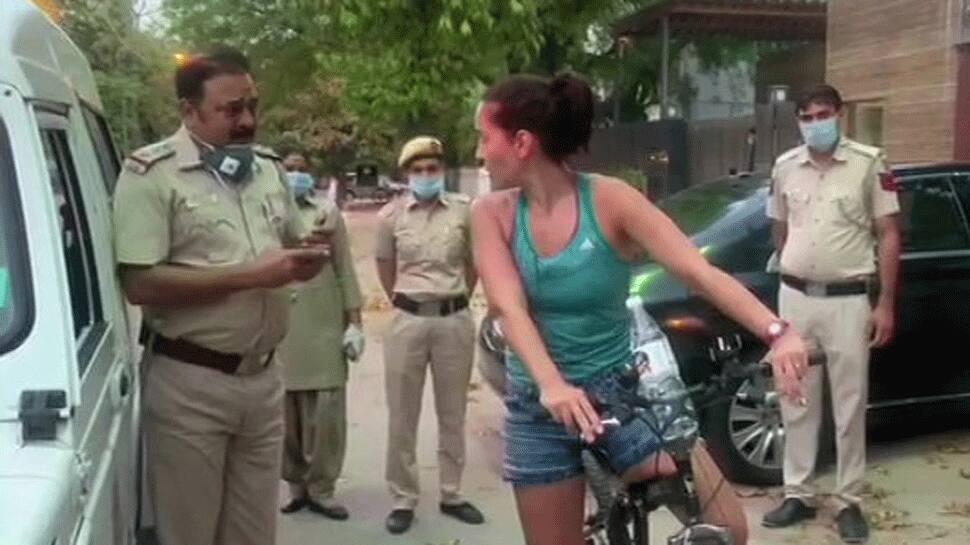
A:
426	187
820	135
300	182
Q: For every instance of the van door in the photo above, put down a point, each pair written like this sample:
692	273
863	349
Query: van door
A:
102	424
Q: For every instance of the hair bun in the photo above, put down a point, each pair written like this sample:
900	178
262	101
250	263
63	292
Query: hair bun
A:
572	110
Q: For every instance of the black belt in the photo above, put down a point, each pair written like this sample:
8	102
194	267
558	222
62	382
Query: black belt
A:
440	307
826	289
189	352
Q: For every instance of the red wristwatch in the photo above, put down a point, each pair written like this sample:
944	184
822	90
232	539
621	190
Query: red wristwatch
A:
777	330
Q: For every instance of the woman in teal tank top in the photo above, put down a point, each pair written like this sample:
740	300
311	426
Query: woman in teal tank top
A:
577	296
553	248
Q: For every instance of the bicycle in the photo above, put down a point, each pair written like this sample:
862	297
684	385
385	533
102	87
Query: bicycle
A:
622	515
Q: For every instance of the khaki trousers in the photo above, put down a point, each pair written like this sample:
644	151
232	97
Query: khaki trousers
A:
214	447
316	442
841	326
413	344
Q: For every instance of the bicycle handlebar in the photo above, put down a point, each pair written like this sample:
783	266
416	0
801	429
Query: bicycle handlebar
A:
708	391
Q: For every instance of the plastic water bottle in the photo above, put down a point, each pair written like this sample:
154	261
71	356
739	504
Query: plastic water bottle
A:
660	380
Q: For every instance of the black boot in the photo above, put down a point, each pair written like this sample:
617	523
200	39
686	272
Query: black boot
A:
791	511
852	525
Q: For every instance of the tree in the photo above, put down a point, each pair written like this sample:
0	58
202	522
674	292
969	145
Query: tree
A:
132	69
396	68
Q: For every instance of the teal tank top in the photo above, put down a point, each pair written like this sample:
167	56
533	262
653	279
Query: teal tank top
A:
577	297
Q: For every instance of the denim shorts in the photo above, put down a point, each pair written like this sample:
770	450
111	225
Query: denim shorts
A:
539	450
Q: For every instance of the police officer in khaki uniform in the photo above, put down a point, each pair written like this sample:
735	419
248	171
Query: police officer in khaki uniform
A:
200	221
835	209
425	266
325	331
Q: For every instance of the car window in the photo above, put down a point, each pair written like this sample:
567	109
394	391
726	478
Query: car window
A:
75	237
961	183
16	305
727	223
103	147
931	215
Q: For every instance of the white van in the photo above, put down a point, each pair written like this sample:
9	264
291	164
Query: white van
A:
69	380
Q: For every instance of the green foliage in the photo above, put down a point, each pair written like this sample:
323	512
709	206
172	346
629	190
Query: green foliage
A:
342	79
133	69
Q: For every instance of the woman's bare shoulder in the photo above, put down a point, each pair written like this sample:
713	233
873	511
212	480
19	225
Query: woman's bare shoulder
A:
607	189
496	202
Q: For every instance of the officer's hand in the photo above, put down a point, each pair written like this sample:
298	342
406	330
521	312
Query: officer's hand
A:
353	342
318	240
570	407
789	362
278	267
882	326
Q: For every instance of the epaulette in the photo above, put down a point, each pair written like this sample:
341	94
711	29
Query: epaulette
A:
267	152
460	198
870	152
143	159
788	155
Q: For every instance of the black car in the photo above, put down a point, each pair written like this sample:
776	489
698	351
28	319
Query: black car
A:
726	220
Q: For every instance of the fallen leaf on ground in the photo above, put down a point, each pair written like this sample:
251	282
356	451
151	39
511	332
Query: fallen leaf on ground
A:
957	509
953	448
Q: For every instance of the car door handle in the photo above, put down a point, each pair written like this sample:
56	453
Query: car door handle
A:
124	384
120	388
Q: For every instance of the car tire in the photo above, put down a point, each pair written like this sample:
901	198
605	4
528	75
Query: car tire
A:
736	427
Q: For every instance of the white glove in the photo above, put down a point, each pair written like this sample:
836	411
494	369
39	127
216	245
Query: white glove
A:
353	342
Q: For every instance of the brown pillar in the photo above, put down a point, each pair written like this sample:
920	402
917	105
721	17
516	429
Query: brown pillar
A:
961	110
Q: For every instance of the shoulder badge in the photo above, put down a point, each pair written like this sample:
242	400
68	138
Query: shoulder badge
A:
143	159
888	181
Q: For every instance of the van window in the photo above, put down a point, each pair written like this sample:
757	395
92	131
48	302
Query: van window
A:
16	301
75	240
103	146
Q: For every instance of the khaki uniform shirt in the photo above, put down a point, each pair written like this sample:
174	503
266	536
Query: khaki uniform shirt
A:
312	353
830	213
170	209
430	244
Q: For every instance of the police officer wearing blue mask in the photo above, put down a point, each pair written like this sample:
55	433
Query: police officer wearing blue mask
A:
325	335
836	228
425	266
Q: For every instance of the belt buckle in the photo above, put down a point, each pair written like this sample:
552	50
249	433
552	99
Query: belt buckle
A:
813	289
429	308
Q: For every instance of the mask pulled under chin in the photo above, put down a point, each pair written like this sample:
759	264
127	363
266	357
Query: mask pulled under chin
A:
233	163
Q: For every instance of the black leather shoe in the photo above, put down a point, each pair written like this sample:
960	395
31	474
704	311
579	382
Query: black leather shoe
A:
465	512
399	521
791	511
295	505
852	525
335	512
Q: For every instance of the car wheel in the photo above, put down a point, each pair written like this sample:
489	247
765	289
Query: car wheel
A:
746	433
